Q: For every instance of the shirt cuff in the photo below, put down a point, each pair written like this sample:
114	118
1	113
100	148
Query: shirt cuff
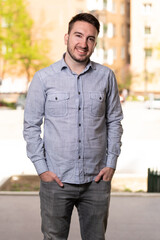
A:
111	161
41	166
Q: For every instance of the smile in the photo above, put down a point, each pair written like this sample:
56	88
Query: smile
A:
82	51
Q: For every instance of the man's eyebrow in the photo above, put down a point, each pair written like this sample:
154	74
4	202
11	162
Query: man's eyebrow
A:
78	33
83	35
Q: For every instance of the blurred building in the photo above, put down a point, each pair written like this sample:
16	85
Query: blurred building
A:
128	42
52	17
114	38
145	45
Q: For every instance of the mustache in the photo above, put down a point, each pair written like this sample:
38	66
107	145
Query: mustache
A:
82	48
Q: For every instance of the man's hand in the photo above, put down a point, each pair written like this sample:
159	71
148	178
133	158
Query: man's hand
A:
49	177
105	174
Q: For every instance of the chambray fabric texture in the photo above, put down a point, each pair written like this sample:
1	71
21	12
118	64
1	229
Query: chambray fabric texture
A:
82	121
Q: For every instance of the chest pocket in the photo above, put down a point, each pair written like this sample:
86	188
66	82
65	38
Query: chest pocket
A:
97	104
57	104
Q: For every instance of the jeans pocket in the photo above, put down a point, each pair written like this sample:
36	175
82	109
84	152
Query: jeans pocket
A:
106	185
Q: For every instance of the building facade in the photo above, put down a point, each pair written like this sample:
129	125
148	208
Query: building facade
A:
128	42
145	46
53	16
114	38
51	19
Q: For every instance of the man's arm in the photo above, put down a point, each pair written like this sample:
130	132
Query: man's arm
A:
33	118
114	116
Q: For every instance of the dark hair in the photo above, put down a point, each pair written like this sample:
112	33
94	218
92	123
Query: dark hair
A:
86	17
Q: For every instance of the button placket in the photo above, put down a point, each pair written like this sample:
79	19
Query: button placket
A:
80	118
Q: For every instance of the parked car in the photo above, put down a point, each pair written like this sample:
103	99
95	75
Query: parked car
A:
20	103
153	103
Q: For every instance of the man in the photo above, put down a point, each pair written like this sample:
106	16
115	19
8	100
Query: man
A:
79	102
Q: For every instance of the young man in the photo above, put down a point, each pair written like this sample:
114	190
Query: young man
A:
76	159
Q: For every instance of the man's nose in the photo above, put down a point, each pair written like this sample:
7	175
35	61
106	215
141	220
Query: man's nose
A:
84	43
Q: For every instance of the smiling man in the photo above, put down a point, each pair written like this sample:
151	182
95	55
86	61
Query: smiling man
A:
76	158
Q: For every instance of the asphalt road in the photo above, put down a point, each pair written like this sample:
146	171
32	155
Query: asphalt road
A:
132	217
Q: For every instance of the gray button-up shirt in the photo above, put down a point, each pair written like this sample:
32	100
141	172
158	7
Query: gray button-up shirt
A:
82	121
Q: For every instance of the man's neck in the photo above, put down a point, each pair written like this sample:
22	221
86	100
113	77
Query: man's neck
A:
76	67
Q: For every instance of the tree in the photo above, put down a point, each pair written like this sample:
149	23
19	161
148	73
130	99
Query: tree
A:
19	46
126	78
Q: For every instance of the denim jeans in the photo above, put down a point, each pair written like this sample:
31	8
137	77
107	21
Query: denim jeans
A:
91	200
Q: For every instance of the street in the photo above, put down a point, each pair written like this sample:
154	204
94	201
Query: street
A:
132	217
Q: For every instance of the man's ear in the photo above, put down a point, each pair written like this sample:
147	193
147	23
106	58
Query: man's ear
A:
66	38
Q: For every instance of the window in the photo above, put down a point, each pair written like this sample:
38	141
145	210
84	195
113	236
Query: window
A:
105	55
123	30
147	8
114	53
105	27
101	32
147	30
128	9
128	32
104	4
110	55
4	24
111	6
94	5
148	52
122	8
123	52
4	49
111	30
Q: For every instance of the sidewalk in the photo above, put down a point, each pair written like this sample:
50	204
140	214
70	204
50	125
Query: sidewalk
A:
132	217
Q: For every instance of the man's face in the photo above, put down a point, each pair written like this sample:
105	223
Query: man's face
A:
81	41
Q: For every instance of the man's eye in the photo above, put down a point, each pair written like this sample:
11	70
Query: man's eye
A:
91	39
78	36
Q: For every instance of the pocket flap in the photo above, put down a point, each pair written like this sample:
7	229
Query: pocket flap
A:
54	97
97	96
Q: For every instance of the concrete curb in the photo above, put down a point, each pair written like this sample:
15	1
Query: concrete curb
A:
134	194
14	193
113	194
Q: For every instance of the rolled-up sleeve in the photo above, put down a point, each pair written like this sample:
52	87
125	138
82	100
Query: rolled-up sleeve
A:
114	115
33	119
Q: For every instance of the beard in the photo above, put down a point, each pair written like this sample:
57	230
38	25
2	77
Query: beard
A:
80	59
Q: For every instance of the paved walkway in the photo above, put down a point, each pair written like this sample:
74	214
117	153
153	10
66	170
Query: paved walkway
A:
132	217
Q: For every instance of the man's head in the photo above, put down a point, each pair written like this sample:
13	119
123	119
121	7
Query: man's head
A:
81	38
85	17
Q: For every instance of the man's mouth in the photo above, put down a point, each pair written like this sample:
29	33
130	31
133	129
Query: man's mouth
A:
82	51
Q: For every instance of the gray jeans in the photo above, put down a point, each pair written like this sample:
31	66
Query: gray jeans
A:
92	202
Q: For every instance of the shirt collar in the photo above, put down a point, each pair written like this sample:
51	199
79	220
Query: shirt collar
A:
62	65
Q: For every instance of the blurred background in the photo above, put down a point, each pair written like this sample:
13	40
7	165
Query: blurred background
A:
32	37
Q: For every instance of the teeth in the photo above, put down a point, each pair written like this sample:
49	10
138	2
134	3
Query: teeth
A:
81	51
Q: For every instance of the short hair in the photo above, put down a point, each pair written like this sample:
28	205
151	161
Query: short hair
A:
86	17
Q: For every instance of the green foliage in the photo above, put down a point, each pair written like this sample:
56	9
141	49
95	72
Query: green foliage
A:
126	79
7	104
18	45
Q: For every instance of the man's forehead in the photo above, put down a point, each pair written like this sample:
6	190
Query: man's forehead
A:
81	26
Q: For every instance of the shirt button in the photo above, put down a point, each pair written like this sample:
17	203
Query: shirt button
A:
79	157
79	141
79	124
100	98
79	108
56	98
79	93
